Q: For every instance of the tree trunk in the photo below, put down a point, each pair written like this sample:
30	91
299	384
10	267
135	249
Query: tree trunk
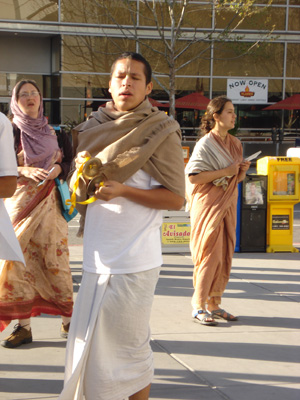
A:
172	92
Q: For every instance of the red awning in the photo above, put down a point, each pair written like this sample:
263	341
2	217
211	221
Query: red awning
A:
157	104
290	103
194	100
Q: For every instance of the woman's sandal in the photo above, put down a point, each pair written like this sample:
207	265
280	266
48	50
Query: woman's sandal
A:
222	314
204	318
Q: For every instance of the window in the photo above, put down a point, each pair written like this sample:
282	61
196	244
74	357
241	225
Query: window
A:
265	60
34	10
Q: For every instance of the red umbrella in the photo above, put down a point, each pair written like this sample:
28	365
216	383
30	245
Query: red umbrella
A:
194	100
290	103
157	104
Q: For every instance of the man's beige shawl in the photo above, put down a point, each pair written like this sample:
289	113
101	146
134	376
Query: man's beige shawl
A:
144	138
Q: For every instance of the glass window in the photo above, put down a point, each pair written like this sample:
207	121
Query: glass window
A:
74	112
187	85
85	86
253	116
264	19
292	86
52	111
4	90
292	61
154	51
273	2
92	53
196	15
110	12
183	86
34	10
52	86
219	87
294	19
8	82
264	60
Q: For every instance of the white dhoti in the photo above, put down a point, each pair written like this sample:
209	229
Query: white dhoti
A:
108	351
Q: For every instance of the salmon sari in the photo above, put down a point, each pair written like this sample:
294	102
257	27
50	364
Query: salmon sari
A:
213	217
44	285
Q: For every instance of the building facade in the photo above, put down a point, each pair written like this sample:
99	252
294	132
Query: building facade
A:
67	47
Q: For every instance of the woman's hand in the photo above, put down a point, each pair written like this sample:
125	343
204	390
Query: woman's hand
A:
40	174
232	169
245	165
34	173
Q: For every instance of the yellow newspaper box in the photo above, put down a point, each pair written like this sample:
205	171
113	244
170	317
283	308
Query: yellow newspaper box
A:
283	192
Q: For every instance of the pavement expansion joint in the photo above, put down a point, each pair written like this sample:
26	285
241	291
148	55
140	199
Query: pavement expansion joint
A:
190	369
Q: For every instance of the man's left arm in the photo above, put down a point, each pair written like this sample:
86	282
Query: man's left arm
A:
159	198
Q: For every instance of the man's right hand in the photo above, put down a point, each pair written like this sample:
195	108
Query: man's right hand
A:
81	158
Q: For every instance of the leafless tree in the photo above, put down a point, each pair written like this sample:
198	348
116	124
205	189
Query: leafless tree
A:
177	42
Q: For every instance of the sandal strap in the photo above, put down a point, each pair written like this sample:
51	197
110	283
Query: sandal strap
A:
196	312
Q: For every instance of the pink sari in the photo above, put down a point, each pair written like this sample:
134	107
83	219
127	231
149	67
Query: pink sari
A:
44	285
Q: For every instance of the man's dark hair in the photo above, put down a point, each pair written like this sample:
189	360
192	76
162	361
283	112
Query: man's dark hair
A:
136	57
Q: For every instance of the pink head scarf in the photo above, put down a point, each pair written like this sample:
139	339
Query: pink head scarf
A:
38	141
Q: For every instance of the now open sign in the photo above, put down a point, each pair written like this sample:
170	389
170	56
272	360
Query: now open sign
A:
247	91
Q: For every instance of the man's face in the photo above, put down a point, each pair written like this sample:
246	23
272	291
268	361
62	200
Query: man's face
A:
253	189
128	86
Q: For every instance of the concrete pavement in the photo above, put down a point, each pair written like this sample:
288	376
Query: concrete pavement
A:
255	358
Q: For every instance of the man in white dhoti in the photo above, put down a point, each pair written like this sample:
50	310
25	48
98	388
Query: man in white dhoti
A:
108	352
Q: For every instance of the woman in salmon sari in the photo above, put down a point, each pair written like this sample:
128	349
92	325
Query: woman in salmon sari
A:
44	284
212	174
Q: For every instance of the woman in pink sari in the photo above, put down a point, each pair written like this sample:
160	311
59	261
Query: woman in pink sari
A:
44	284
212	174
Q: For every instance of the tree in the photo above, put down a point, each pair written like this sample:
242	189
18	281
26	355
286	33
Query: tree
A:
177	40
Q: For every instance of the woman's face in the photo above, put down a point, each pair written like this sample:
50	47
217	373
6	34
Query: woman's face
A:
29	100
226	119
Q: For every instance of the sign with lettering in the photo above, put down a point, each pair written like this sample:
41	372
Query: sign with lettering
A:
175	233
284	159
247	91
280	222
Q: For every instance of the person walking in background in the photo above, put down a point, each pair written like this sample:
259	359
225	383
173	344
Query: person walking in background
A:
212	174
186	123
45	284
108	350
